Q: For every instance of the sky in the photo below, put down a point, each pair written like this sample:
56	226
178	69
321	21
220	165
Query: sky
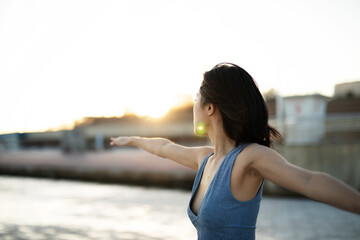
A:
64	60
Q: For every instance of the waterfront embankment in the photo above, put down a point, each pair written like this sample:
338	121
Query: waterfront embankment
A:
126	166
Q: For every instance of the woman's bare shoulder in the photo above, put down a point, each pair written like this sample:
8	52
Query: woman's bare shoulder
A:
255	151
255	148
202	152
205	150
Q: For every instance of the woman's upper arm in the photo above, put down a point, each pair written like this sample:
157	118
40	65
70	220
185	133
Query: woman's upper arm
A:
272	166
187	156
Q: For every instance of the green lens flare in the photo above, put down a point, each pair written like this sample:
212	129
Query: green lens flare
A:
201	129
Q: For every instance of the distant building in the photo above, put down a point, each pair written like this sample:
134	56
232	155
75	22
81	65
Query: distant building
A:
343	120
347	90
315	118
343	106
301	118
10	142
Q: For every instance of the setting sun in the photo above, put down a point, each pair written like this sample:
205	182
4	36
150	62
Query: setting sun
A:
155	107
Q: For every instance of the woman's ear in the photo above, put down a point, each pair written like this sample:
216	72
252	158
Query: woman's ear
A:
210	109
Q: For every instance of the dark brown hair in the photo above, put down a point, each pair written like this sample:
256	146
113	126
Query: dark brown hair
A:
243	110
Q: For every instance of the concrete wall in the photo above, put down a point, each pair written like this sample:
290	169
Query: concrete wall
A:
341	161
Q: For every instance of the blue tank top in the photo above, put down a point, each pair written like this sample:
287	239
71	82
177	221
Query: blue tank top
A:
220	215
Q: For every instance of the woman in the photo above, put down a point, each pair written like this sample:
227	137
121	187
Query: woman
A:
227	190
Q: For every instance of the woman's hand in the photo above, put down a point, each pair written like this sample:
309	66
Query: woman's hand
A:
120	141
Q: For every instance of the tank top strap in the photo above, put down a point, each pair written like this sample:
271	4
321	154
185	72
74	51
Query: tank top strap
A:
199	173
230	159
228	166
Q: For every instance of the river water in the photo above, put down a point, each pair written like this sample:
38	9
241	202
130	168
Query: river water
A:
47	209
69	210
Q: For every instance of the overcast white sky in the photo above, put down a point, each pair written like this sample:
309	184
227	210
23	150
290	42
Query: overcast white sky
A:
63	60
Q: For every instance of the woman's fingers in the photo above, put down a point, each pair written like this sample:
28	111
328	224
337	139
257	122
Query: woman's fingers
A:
113	141
120	141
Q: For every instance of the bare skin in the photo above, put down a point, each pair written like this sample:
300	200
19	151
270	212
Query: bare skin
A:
252	165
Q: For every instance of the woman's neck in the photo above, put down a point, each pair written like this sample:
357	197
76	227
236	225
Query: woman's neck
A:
221	142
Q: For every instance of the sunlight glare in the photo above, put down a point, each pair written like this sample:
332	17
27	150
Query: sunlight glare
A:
201	129
155	106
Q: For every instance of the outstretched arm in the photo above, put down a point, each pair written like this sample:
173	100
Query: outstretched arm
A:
162	147
315	185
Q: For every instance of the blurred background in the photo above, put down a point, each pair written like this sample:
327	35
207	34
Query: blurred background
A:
75	73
